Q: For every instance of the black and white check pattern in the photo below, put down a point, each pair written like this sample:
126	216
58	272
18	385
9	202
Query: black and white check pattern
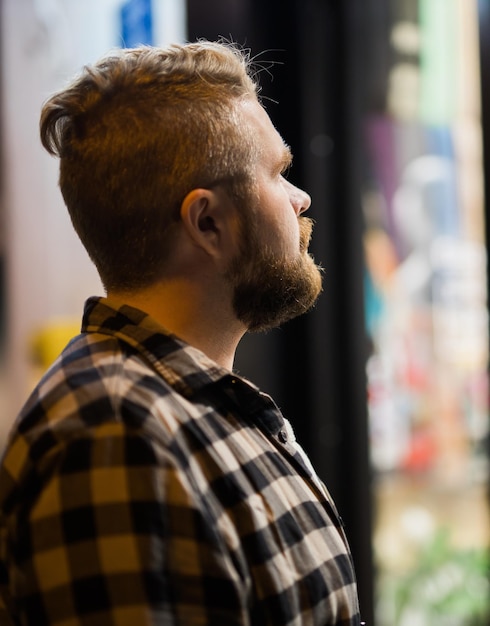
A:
145	485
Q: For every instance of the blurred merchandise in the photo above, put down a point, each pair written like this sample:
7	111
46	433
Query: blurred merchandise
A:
427	320
50	339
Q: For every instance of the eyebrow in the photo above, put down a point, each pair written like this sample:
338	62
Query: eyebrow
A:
286	158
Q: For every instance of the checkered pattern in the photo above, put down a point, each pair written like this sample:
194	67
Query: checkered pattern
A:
144	485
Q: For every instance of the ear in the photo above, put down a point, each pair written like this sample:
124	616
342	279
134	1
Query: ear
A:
209	218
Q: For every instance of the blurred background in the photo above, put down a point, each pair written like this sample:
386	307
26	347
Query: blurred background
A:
386	105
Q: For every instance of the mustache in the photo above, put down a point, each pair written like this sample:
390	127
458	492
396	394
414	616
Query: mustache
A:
305	231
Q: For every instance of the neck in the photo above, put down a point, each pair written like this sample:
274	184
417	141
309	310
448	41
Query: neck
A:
198	316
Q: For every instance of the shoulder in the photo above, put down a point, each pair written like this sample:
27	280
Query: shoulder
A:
97	389
96	379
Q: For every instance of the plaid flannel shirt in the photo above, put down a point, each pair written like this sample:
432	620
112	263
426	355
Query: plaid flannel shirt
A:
145	485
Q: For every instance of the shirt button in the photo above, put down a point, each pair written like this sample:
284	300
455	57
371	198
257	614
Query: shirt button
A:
283	436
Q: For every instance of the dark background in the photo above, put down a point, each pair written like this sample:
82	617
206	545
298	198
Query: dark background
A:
314	366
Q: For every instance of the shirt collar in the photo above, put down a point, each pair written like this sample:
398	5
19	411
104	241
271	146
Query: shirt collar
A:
188	370
184	367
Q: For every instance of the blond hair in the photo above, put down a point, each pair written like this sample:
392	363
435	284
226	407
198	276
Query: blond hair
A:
135	132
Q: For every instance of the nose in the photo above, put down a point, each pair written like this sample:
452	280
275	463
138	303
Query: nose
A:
300	200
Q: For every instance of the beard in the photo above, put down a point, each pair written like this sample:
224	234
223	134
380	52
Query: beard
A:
269	290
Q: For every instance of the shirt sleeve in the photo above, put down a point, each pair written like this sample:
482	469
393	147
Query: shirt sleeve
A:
112	532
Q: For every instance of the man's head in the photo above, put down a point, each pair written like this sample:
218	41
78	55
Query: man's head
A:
135	133
142	134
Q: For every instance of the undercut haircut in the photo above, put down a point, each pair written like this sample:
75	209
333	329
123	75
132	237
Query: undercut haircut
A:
135	133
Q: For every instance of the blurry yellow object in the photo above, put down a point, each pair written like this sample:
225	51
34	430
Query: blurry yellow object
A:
47	343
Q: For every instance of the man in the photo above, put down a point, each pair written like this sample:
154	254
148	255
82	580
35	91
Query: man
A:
144	483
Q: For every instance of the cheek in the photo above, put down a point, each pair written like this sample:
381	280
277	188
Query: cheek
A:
293	232
288	224
286	234
277	222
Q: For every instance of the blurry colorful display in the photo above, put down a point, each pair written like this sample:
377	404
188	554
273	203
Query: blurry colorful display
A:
427	317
